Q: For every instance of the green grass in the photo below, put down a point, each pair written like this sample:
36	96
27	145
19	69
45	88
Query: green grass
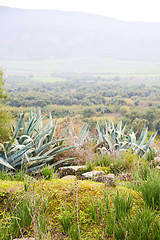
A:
151	191
44	68
61	214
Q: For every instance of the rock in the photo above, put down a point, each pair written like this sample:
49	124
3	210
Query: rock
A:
158	167
69	177
71	170
104	151
157	159
126	177
155	162
109	179
92	174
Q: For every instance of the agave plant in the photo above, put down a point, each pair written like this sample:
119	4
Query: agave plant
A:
77	139
115	139
33	144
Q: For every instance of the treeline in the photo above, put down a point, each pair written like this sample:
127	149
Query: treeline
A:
82	92
136	102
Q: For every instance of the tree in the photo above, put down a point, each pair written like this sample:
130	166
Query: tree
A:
157	126
88	112
3	94
4	115
151	114
138	125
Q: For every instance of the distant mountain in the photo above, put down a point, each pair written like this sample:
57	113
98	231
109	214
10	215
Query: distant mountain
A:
46	34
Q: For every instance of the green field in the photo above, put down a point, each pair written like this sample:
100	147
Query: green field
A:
45	69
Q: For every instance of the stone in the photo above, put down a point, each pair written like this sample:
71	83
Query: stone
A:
126	177
157	159
69	177
155	162
109	179
71	170
92	174
104	151
157	167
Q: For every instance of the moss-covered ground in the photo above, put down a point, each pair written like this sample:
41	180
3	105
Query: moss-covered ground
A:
71	195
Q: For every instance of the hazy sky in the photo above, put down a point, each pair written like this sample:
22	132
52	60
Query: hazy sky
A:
128	10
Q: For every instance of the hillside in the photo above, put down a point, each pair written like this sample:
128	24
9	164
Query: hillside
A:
49	34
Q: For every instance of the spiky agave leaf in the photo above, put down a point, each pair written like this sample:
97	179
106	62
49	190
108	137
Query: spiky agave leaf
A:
82	135
108	140
25	139
150	141
118	140
36	145
123	130
53	128
43	148
4	163
143	136
132	138
100	134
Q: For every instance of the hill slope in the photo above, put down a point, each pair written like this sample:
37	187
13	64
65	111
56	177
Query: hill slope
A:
44	34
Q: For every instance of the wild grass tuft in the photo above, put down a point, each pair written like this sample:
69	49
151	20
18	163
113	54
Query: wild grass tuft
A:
48	172
144	225
122	205
123	162
92	211
74	234
26	217
151	191
12	176
66	219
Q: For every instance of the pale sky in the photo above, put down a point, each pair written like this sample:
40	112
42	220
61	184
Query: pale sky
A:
127	10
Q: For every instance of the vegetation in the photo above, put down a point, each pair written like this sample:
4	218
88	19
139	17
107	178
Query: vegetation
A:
33	145
34	202
91	97
4	115
103	212
46	207
115	139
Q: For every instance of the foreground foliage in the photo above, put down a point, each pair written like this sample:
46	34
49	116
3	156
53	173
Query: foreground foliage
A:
61	209
33	144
